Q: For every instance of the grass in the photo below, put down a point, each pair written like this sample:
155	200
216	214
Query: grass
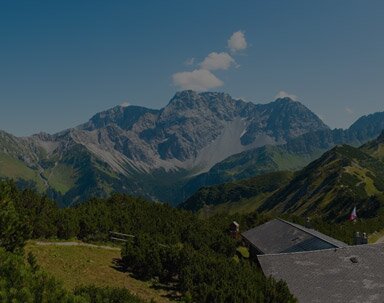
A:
376	151
361	173
16	169
78	265
62	178
289	161
372	238
244	206
380	152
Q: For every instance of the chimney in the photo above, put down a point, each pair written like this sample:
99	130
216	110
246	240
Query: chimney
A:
358	239
308	223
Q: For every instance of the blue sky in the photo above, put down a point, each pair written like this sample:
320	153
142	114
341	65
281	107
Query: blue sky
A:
63	61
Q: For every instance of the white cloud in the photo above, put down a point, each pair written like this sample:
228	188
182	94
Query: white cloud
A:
202	78
189	61
237	42
125	104
197	80
215	61
349	111
283	94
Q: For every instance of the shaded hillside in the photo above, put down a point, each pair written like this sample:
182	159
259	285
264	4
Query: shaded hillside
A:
375	148
294	155
237	195
246	165
332	185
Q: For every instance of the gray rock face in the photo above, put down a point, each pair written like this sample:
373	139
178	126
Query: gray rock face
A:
368	126
179	135
282	119
188	136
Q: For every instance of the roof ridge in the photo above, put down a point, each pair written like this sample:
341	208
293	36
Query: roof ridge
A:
308	231
322	250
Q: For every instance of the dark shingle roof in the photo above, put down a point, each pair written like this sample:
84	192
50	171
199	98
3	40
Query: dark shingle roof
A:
348	274
279	236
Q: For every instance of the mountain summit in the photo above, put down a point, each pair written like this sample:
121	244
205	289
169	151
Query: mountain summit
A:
194	131
152	152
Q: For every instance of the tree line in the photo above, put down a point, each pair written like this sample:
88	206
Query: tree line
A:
172	247
21	279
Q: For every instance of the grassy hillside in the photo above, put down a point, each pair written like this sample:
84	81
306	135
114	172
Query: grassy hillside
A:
332	185
61	178
13	168
81	266
248	164
294	155
243	206
328	187
241	196
375	148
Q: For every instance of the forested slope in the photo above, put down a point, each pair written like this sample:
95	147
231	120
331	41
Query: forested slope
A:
195	257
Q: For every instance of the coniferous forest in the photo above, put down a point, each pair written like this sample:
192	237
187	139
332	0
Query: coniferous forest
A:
196	257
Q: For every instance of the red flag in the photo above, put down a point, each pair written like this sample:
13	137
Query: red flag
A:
353	215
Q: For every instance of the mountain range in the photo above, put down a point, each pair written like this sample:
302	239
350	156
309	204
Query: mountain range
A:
197	139
341	179
293	155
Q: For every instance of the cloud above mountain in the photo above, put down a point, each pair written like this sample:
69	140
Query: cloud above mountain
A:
202	78
237	42
215	61
349	110
125	104
197	80
283	94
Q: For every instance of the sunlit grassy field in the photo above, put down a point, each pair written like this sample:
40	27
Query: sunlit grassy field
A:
79	265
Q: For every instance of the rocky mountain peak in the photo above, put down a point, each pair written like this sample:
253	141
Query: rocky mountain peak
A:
123	116
286	100
125	147
289	103
184	100
368	126
190	104
189	99
185	94
43	136
283	119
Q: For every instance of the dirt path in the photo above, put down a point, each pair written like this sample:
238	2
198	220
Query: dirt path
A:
73	243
